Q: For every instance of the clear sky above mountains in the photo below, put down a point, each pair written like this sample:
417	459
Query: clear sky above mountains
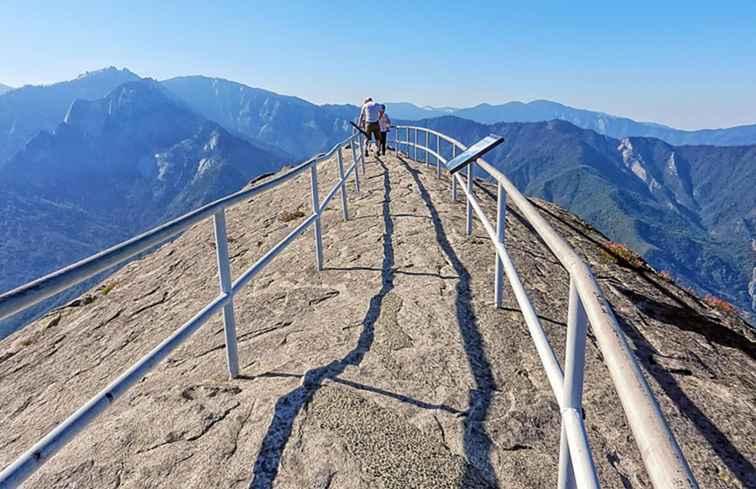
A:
686	64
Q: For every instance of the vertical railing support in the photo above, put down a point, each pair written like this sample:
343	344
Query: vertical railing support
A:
356	169
315	209
415	158
344	210
438	152
566	477
501	217
574	363
572	394
224	280
362	154
453	179
469	223
427	146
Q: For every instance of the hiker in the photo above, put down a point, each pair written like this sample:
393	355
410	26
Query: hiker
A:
385	124
369	115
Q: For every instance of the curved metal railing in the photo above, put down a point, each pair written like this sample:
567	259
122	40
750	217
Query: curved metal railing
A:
666	466
22	298
662	457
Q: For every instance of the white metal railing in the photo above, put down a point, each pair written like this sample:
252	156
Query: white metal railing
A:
661	454
662	457
32	293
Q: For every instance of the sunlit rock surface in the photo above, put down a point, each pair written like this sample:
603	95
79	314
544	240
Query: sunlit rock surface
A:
390	368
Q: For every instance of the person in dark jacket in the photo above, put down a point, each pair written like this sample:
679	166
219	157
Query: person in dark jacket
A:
385	125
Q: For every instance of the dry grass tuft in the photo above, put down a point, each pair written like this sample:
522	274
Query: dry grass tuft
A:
720	304
107	287
664	275
623	253
288	216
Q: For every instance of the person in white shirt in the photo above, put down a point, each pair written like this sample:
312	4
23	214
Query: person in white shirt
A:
368	121
385	125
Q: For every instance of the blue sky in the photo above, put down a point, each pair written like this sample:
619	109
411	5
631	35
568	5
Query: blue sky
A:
687	64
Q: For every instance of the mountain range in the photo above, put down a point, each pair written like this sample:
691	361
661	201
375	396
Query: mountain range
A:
610	125
5	88
91	161
287	123
689	210
30	109
114	167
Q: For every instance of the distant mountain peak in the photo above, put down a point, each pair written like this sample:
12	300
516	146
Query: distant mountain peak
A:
142	86
128	98
5	88
218	82
109	71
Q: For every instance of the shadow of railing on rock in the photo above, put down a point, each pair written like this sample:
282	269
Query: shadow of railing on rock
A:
287	408
369	388
730	456
397	272
477	443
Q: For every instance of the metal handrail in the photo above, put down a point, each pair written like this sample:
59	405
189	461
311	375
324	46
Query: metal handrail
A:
30	294
662	456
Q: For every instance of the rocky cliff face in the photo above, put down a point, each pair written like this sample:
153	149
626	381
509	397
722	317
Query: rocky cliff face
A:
30	109
113	168
689	210
390	368
291	124
752	283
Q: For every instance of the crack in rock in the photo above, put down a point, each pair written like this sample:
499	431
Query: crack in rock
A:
150	305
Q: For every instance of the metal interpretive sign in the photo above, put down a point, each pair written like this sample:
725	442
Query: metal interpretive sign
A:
474	152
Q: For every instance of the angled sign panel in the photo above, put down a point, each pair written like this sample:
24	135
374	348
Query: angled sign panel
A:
474	152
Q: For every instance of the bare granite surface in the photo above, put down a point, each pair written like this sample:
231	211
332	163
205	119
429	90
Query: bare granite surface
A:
389	369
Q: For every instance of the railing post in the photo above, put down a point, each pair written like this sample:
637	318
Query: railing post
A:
224	280
566	477
454	179
409	145
572	394
344	210
415	158
501	216
427	145
356	168
469	224
574	362
438	153
315	209
362	154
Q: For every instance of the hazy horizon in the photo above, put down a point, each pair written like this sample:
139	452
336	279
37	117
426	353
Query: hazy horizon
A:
682	65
